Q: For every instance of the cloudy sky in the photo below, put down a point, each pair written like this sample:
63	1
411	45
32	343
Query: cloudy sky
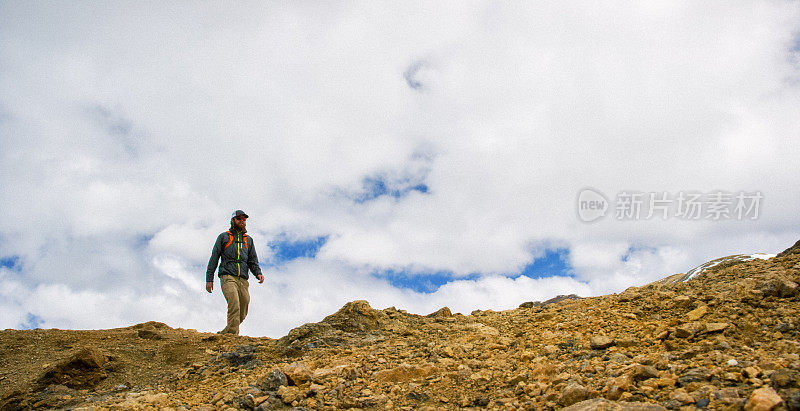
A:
415	155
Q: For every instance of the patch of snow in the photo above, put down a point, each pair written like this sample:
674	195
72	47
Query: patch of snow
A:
694	272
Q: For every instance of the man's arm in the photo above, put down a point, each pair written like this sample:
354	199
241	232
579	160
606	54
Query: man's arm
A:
252	261
213	261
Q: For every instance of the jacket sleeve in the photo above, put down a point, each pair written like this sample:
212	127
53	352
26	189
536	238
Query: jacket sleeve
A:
252	258
214	260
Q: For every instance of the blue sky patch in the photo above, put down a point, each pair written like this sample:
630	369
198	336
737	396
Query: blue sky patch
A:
554	263
420	282
284	250
31	321
143	240
10	262
374	187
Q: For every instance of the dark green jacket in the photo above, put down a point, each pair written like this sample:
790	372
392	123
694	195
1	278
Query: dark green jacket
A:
237	258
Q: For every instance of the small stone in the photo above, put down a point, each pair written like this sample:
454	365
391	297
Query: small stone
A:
694	375
246	401
404	373
448	352
604	404
218	396
481	401
697	313
794	402
315	389
288	394
443	312
644	372
681	396
550	349
778	287
618	357
601	342
728	393
258	400
373	401
297	372
716	327
732	376
573	393
783	378
732	362
683	331
273	380
763	399
751	372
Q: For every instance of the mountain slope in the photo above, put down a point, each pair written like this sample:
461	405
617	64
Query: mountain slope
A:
727	339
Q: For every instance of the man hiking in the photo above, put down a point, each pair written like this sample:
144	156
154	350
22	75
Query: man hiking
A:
238	256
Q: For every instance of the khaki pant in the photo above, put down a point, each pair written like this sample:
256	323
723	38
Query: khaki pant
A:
238	297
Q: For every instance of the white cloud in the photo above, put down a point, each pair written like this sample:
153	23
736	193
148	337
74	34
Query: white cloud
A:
128	133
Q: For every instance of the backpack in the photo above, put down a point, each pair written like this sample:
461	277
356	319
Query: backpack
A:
230	241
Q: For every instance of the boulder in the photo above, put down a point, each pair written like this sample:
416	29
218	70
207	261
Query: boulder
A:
297	373
443	312
763	399
83	369
356	316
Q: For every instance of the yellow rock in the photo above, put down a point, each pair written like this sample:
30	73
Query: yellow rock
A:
763	399
697	313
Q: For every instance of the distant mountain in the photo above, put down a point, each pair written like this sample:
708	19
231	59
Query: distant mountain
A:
718	263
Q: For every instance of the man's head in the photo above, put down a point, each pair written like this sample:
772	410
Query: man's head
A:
239	220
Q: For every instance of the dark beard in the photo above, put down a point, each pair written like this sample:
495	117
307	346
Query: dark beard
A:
233	229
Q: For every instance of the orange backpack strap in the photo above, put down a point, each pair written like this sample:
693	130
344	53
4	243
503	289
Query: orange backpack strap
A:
247	246
230	240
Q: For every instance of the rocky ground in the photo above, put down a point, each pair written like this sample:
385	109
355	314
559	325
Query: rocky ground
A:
727	340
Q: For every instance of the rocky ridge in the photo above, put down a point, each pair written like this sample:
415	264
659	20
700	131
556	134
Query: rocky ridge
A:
728	339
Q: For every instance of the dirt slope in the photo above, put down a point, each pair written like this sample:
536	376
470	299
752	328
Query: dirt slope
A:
727	339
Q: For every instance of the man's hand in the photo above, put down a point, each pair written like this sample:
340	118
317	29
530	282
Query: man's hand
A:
260	278
210	286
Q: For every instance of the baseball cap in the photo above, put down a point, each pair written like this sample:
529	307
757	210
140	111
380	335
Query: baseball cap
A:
237	213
